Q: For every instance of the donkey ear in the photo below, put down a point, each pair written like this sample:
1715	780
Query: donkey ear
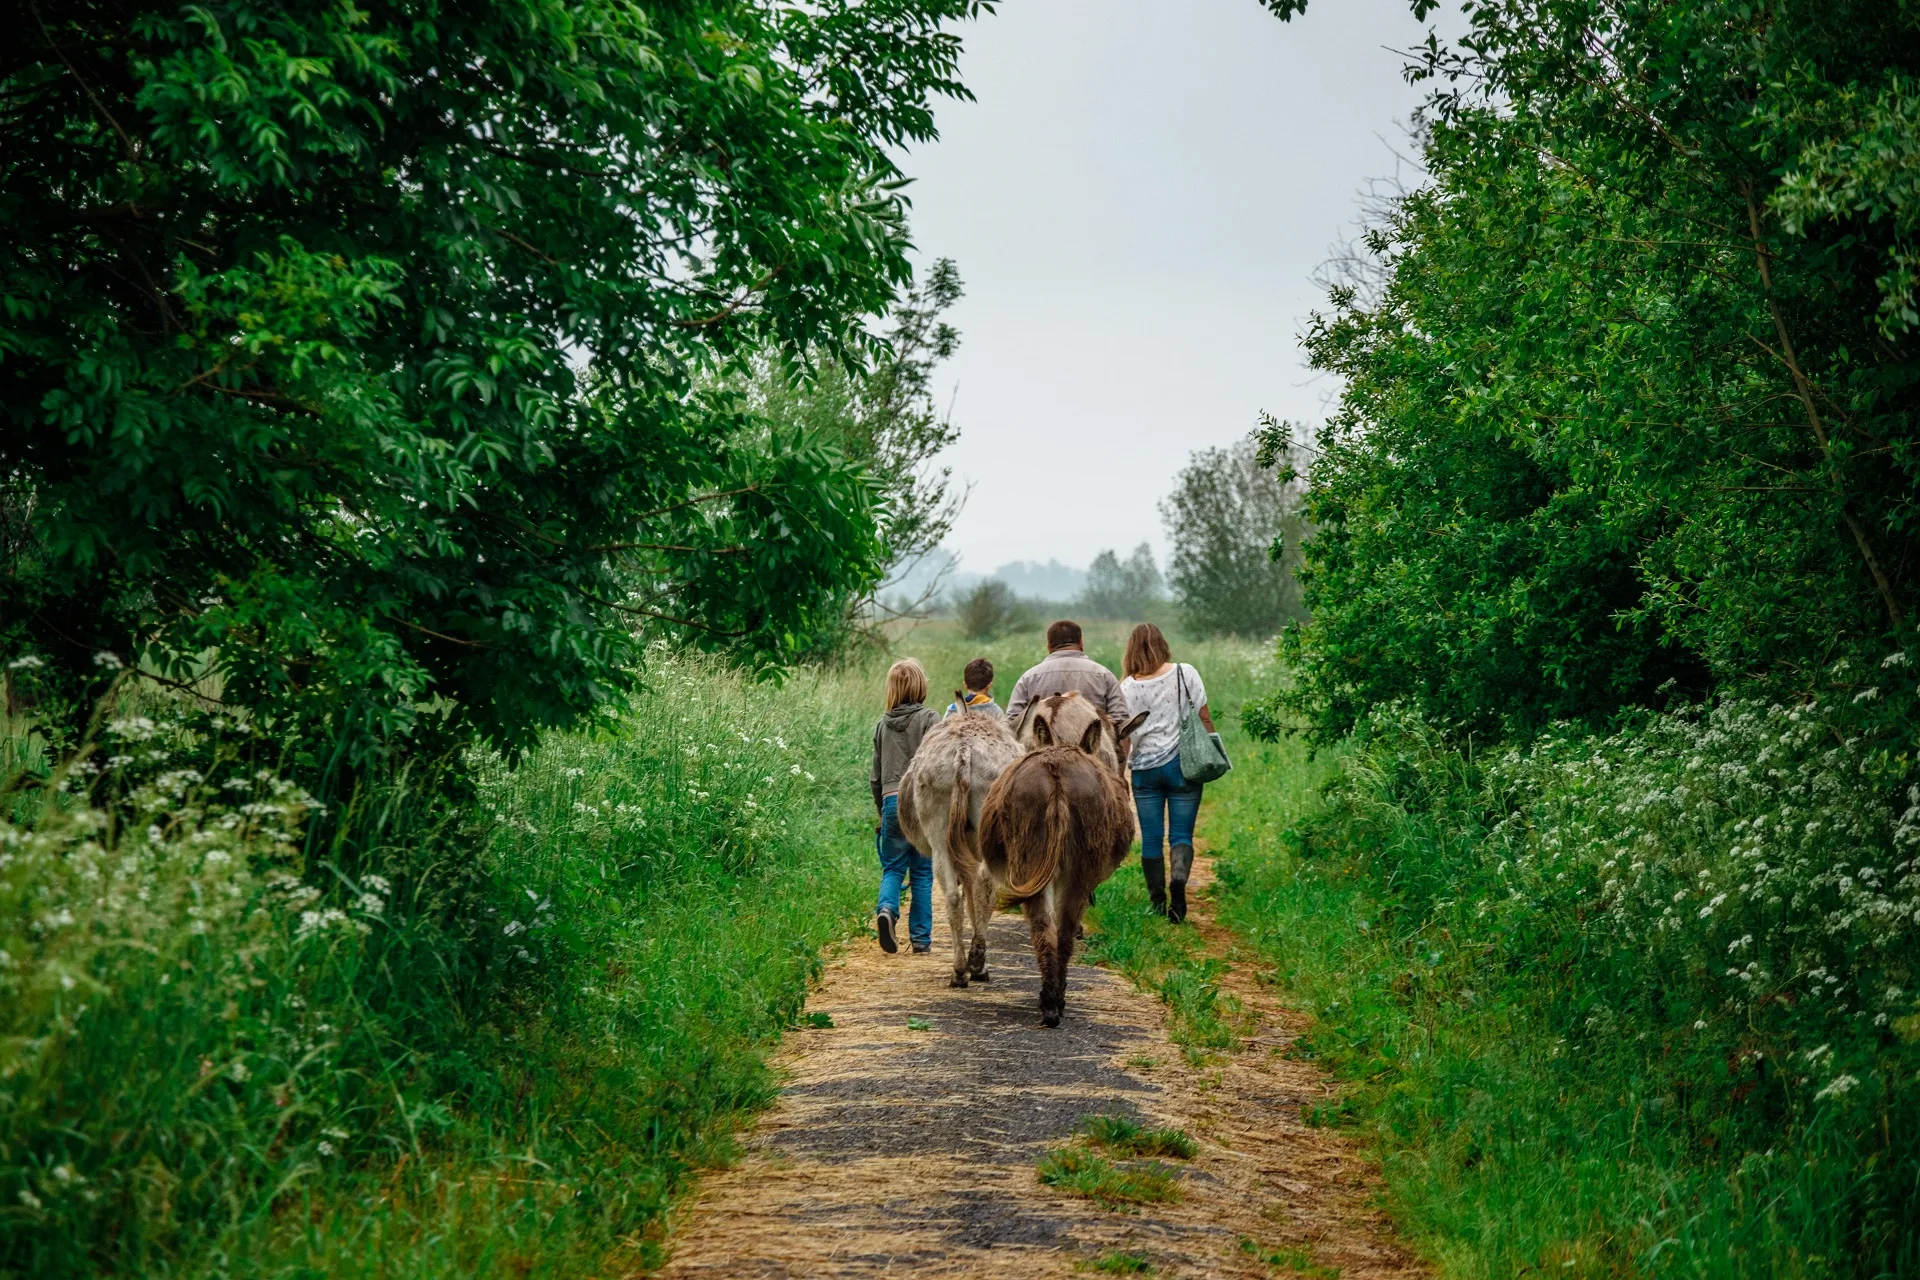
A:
1042	732
1126	730
1090	740
960	699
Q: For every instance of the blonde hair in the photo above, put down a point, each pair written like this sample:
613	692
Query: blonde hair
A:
906	682
1147	651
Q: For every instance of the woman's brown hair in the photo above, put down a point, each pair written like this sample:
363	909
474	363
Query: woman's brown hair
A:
906	682
1147	651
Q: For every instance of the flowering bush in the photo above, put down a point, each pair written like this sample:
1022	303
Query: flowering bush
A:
1693	942
165	983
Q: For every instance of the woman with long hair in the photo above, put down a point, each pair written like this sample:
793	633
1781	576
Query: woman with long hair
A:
896	737
1168	804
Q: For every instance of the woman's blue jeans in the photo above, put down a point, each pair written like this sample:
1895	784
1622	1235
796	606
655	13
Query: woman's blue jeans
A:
899	862
1169	805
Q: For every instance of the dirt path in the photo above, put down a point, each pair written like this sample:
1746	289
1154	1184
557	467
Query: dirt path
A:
897	1150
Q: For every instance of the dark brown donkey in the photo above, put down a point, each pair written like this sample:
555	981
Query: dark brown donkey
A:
1055	824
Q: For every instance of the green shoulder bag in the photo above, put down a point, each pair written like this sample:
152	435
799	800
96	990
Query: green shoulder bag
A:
1202	757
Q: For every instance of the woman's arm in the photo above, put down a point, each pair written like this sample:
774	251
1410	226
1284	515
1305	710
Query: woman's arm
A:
1206	719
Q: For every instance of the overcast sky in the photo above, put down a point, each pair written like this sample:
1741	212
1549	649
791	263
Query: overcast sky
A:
1136	201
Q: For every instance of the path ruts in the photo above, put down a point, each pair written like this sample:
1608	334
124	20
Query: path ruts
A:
894	1150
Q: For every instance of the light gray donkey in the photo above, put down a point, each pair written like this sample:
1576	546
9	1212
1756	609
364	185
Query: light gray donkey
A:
940	798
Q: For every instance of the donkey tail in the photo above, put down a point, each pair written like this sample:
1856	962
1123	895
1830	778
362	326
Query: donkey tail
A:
1030	879
959	849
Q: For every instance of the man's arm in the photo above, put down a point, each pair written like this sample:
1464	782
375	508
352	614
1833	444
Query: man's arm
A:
1114	698
1118	711
1017	705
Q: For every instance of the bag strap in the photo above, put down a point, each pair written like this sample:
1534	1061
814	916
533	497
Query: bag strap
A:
1180	686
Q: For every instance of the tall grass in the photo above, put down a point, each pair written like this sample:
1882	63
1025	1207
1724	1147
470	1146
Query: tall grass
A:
488	1028
1628	1005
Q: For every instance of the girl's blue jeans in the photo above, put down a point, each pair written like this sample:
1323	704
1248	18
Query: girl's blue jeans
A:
1169	805
899	862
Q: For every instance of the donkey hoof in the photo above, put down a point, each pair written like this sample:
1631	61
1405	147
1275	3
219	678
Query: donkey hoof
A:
959	978
981	975
1049	1019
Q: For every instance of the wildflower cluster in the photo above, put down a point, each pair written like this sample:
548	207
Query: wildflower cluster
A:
161	960
1743	875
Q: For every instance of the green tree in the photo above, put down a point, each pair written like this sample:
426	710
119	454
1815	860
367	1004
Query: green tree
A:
990	608
1236	532
1125	589
884	417
1634	410
358	350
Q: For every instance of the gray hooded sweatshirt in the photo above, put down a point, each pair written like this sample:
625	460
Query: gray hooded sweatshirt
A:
895	739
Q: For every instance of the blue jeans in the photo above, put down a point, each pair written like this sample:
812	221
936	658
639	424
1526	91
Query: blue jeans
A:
899	861
1169	805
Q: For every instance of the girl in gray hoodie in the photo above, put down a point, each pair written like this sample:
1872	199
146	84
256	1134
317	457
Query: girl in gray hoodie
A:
895	738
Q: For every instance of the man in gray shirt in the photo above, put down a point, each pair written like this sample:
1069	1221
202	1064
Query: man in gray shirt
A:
1068	669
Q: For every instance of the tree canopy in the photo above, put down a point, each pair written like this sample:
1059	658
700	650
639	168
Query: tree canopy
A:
1129	589
355	350
1634	411
1236	534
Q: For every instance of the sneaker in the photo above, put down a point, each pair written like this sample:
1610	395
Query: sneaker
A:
922	951
883	923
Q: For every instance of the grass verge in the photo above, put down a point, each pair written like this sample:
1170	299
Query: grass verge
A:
1547	1094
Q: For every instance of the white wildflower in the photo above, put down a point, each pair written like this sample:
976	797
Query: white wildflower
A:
1839	1086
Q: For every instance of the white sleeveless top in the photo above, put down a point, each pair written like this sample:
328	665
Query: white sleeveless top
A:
1163	698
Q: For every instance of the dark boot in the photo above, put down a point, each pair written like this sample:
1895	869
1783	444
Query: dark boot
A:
1181	856
1155	870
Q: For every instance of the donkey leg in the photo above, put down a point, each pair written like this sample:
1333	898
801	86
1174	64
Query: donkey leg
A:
980	904
956	916
1067	925
1043	923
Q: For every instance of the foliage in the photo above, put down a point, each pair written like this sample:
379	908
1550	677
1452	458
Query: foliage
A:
215	1066
989	609
884	418
1634	413
1634	1003
1128	590
1236	534
296	300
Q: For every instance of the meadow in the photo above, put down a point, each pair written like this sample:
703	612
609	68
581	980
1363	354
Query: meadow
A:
502	1017
494	1021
